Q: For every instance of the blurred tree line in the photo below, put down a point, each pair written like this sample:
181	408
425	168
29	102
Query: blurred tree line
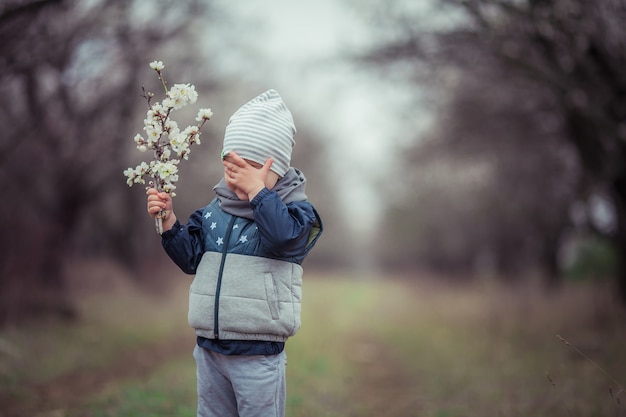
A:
527	148
72	71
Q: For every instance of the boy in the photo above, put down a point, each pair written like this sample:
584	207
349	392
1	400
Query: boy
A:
245	249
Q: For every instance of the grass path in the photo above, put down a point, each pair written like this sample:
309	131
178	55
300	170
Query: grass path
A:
385	384
367	348
71	390
50	368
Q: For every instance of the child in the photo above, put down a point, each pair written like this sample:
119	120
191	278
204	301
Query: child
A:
245	249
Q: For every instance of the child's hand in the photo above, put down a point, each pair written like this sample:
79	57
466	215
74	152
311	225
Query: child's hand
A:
247	178
161	203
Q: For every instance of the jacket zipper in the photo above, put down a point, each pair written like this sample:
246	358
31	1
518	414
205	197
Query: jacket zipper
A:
216	332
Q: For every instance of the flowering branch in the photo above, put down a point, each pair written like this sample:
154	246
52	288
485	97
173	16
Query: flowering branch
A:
165	138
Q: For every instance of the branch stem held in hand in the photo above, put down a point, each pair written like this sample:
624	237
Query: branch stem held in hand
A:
158	218
158	222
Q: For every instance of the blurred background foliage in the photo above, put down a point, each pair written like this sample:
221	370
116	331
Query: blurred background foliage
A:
526	155
520	173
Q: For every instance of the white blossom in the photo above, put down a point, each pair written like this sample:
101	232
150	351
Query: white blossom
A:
171	126
192	94
142	169
168	103
169	187
181	95
191	130
165	138
204	114
158	111
129	173
153	134
157	65
182	150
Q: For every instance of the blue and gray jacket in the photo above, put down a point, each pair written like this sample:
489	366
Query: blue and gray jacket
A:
248	274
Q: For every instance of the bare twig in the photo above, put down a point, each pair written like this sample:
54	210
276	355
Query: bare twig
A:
609	376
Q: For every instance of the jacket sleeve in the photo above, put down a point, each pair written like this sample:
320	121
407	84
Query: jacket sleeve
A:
284	228
184	243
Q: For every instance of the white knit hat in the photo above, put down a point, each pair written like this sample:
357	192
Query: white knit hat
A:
262	128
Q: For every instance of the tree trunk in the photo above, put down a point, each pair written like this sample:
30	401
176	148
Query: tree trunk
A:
549	258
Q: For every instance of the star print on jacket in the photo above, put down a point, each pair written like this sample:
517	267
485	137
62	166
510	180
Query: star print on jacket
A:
244	235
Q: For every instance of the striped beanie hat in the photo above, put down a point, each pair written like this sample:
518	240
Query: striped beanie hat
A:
260	129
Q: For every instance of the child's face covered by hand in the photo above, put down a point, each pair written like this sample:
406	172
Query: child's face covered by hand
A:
246	178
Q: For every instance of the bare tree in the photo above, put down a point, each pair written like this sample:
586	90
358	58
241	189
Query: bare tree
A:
490	188
573	51
70	69
513	179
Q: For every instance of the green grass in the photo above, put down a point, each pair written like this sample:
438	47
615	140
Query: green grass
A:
39	353
169	391
370	348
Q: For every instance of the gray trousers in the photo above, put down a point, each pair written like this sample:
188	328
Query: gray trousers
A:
240	386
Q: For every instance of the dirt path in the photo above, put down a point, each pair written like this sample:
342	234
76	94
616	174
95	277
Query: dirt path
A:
69	390
386	386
